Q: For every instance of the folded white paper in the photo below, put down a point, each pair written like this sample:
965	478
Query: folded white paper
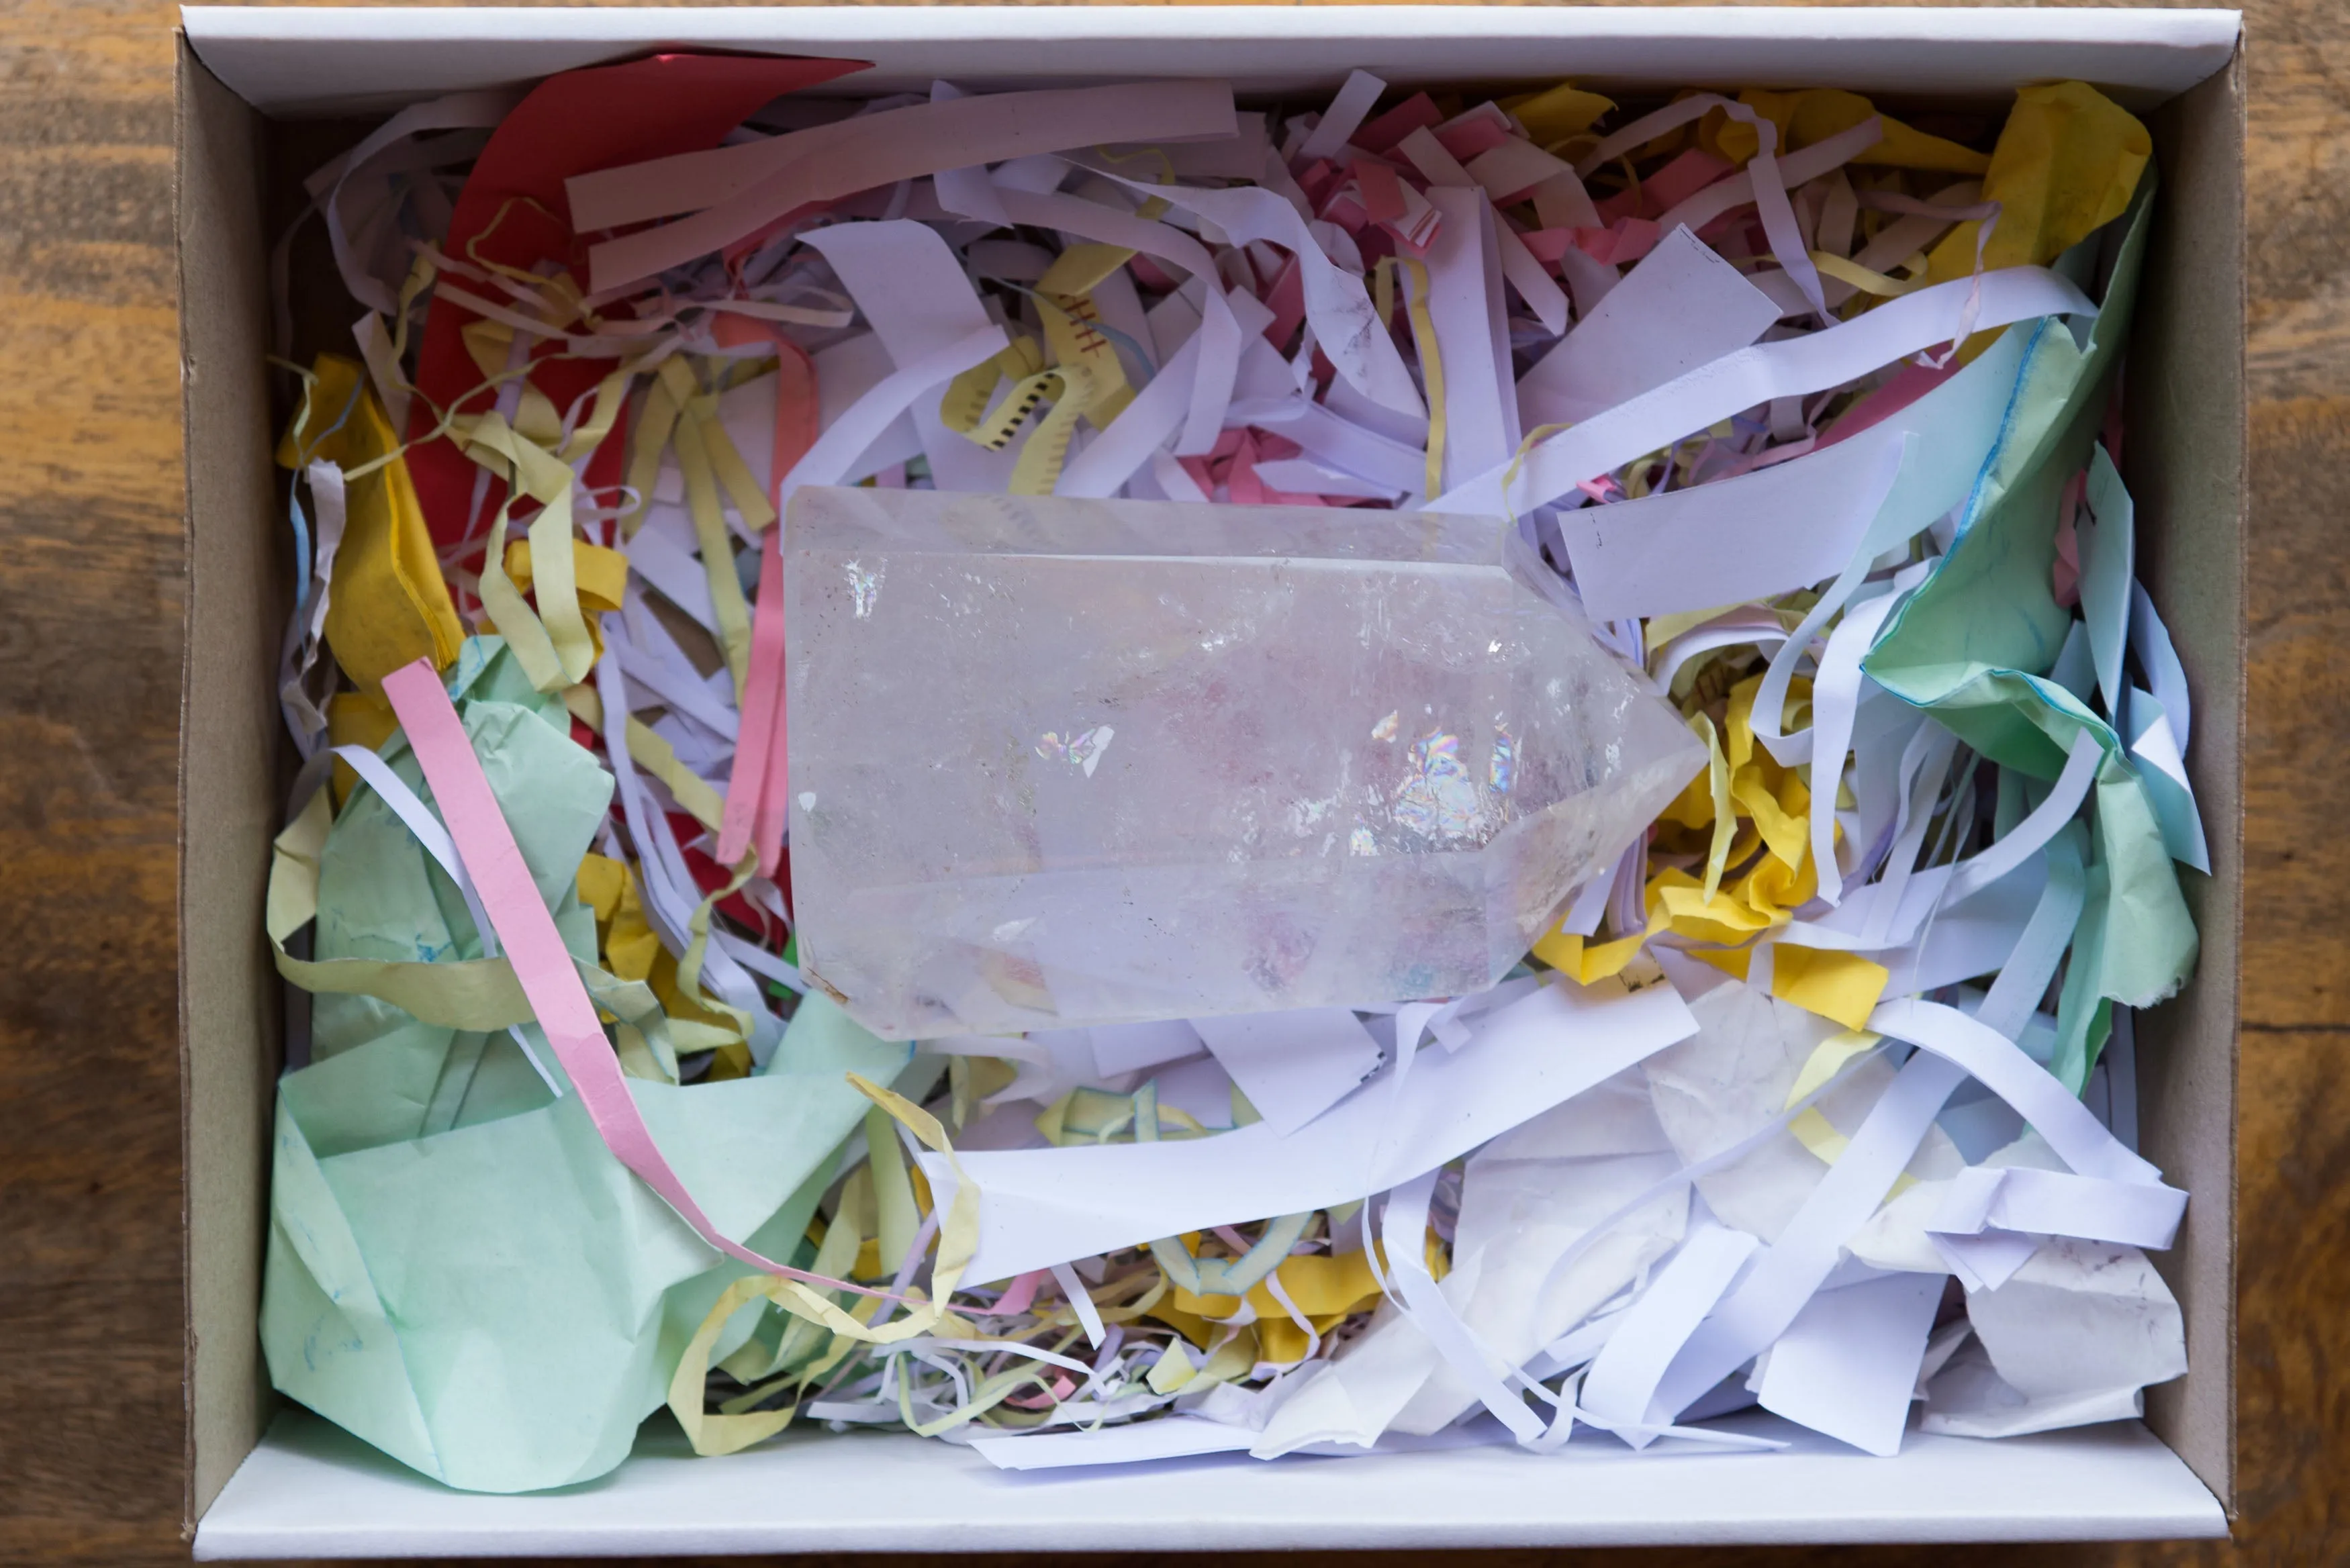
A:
1131	1047
1848	1363
1291	1065
2082	1318
1681	306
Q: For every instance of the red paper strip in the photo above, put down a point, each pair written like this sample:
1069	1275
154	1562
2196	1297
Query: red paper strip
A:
512	211
1382	190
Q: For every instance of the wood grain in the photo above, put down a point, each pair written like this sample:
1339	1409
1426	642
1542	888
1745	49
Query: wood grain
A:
90	589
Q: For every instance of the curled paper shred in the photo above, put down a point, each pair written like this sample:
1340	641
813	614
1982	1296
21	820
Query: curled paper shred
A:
1817	1095
513	216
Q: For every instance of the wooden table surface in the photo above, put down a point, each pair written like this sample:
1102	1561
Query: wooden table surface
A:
90	598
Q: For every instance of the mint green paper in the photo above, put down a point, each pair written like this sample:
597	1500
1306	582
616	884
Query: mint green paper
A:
1965	644
2108	548
459	1271
381	895
1974	644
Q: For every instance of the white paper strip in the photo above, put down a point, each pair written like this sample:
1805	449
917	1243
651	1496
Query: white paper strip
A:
657	558
1799	523
1219	336
844	372
2080	1140
1794	168
668	888
1303	476
1404	1225
1435	166
1172	1438
298	650
968	190
1344	116
1835	704
1081	1302
1332	438
732	190
911	290
1159	412
1621	1386
1472	336
2027	837
1045	1206
2031	964
2163	771
1516	167
680	689
2059	1203
1345	327
1753	376
1787	1272
828	461
1531	279
1779	528
461	110
1129	1048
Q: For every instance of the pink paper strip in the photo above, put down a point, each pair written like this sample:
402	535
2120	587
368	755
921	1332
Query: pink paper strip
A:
1346	212
1467	137
1676	182
754	744
1546	246
1912	382
541	962
775	798
1417	112
1016	1300
757	790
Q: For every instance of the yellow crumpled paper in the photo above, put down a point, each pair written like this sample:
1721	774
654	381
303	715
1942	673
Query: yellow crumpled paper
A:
388	605
2067	163
1805	118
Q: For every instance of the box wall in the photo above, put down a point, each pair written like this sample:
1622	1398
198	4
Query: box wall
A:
229	1002
2185	462
341	59
2183	453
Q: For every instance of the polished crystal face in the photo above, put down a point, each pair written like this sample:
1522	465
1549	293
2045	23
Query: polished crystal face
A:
1058	762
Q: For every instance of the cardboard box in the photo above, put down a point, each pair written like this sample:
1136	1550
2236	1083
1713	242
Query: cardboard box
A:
265	1480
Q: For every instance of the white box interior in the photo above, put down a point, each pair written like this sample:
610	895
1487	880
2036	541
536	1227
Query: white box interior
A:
267	1480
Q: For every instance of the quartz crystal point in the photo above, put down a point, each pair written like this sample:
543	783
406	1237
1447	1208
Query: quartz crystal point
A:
1058	762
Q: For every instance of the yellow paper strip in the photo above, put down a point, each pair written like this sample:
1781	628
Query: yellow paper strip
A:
655	756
